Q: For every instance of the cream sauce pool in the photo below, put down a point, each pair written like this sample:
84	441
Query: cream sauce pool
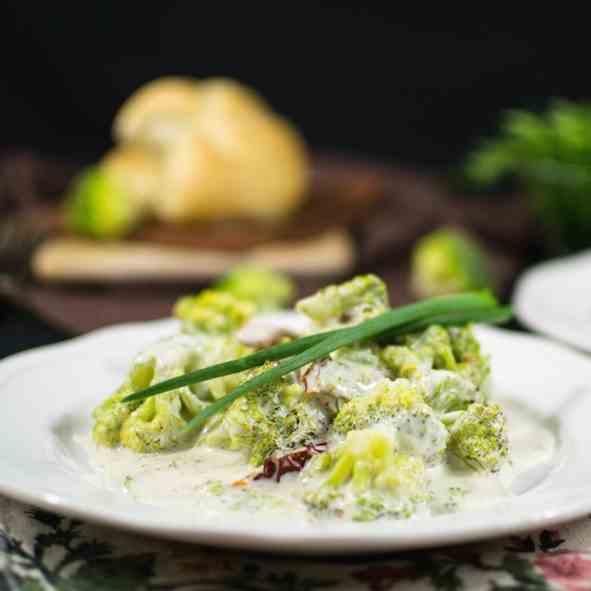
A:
189	479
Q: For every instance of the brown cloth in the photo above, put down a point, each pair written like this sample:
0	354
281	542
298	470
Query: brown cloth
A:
386	208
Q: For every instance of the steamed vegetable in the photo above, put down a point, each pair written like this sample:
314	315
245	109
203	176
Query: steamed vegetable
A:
275	419
267	290
362	298
359	414
367	478
478	436
397	409
213	312
549	154
98	205
155	424
449	261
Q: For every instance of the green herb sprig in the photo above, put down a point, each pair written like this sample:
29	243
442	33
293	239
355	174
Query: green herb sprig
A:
448	310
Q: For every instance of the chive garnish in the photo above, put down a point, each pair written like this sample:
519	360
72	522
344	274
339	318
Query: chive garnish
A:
446	310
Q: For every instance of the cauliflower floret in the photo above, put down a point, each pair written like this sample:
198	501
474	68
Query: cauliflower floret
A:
478	436
351	302
213	312
277	418
398	410
365	477
268	290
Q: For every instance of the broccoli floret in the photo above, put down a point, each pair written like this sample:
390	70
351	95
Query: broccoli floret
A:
351	302
111	414
366	477
217	349
478	436
213	312
405	363
471	362
434	343
398	410
273	419
387	401
454	349
449	261
268	290
98	205
447	391
154	424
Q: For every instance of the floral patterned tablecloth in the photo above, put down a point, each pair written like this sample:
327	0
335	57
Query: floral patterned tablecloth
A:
45	551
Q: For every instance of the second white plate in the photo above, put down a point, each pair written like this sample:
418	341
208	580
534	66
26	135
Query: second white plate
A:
554	298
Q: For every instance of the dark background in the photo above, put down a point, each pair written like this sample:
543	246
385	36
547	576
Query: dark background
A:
362	80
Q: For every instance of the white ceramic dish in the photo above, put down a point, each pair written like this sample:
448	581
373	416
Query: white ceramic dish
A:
554	298
46	396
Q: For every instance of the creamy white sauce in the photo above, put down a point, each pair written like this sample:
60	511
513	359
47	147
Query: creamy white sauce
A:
270	326
180	479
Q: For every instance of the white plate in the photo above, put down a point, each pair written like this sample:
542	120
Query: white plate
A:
46	396
555	298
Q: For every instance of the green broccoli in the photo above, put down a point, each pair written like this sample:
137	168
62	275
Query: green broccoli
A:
277	418
478	436
154	424
471	362
217	349
449	261
98	206
268	290
157	424
213	312
450	391
397	409
454	349
364	297
366	477
111	414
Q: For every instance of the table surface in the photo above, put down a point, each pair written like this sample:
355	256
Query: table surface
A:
45	551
